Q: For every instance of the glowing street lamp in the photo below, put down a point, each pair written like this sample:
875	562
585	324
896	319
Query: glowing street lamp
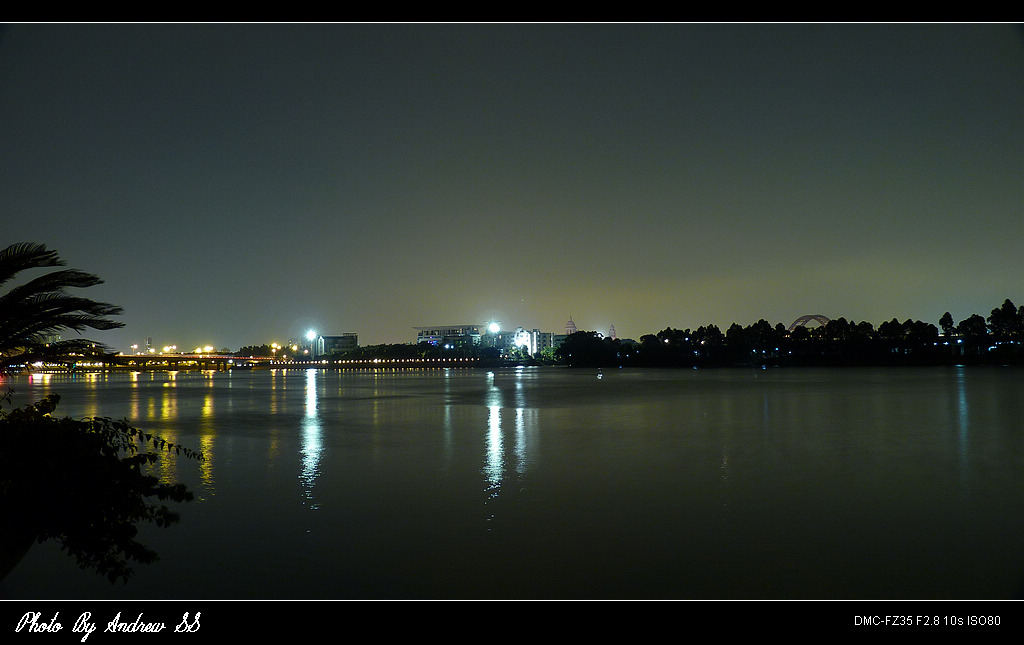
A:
314	340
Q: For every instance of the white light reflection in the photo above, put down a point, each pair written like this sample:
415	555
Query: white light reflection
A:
494	466
963	416
500	459
448	424
520	445
723	489
311	441
963	431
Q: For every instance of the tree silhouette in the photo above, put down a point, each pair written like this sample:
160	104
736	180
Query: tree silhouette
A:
973	328
1005	323
946	324
42	307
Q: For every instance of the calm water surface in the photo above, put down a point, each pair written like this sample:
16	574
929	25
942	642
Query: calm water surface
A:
557	483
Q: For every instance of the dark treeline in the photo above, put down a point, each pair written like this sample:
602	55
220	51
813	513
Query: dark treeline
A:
257	350
997	339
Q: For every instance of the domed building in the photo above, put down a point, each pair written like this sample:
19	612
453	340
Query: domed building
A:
570	327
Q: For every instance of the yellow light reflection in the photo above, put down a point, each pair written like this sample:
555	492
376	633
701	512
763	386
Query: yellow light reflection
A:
206	446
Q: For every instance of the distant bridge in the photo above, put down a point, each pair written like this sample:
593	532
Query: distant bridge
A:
803	320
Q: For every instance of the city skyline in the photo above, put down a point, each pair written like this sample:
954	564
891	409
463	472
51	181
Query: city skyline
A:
985	320
260	179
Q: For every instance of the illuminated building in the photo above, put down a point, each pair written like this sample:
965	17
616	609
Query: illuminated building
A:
532	342
454	335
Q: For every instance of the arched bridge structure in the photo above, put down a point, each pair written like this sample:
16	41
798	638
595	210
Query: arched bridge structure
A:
803	320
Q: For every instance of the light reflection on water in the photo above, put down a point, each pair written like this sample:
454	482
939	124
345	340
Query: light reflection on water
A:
495	463
311	440
502	461
425	483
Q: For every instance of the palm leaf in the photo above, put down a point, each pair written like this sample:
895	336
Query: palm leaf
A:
26	255
42	307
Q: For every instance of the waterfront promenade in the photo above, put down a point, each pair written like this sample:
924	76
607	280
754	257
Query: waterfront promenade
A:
223	362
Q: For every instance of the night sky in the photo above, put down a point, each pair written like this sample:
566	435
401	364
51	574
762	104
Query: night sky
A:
239	184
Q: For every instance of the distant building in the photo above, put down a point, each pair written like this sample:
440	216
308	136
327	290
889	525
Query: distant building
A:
316	346
338	344
531	341
311	347
454	335
570	329
536	340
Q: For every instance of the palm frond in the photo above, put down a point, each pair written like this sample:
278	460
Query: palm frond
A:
26	255
42	307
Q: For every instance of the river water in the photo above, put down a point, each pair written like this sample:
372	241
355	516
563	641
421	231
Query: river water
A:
550	483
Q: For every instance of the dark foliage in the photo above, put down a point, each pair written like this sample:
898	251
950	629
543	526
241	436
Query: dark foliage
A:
83	484
997	339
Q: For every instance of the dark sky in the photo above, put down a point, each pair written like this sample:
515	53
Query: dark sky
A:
238	184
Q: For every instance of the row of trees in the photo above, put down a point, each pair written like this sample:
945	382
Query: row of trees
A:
999	338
